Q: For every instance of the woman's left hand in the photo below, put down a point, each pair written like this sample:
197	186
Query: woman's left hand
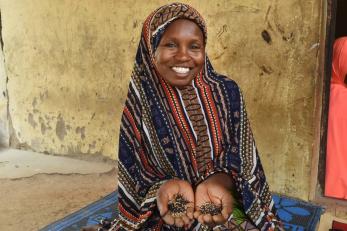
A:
215	189
166	193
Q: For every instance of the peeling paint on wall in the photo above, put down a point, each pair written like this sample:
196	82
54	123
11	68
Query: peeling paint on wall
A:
31	120
77	62
81	131
60	129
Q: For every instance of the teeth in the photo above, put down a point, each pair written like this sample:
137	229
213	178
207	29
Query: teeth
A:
181	70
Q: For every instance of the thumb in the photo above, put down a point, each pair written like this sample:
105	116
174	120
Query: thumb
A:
227	203
162	201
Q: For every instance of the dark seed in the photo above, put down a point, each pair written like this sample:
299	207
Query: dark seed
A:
178	206
210	208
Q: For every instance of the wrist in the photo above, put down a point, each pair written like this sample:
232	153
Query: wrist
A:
220	178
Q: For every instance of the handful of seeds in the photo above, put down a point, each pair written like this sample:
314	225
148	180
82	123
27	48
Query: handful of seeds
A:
210	208
178	206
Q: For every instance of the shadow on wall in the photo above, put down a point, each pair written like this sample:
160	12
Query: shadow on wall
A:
3	141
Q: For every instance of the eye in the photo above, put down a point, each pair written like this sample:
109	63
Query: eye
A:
195	46
170	44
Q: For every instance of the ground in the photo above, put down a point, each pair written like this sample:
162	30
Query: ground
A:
30	203
33	202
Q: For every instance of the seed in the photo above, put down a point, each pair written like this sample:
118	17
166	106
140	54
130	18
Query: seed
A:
210	208
178	206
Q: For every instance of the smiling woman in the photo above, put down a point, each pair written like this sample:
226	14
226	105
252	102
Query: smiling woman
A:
187	157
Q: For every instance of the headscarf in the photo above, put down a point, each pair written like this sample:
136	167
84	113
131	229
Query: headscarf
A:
158	141
339	66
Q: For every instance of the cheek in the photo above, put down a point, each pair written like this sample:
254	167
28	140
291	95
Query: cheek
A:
157	61
200	60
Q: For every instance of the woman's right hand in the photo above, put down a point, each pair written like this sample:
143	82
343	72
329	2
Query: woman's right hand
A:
167	192
216	190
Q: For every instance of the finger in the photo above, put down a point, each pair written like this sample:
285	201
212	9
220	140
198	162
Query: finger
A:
168	219
162	201
227	203
190	211
227	210
186	220
207	219
201	219
179	222
197	213
218	219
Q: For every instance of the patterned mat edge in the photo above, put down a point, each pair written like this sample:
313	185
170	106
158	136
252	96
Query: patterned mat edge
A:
111	198
319	209
78	215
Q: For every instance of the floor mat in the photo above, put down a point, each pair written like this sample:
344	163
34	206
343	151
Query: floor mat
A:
297	215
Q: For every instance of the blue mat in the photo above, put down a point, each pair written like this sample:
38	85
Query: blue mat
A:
297	215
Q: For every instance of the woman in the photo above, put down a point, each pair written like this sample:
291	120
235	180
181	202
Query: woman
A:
185	133
336	161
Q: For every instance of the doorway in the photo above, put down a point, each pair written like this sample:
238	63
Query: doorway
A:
335	27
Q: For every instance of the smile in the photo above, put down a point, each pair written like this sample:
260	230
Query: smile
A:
181	70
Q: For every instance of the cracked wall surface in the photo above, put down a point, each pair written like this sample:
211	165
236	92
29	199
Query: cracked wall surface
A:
69	63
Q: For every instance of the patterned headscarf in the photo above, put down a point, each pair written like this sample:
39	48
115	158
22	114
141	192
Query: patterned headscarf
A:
339	72
157	22
159	139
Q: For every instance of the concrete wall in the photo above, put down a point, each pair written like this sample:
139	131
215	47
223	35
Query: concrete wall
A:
69	62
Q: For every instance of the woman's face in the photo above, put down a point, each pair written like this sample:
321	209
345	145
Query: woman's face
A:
180	54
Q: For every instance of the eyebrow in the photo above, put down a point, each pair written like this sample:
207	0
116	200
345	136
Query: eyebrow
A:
193	38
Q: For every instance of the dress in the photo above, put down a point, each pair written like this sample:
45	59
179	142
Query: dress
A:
336	160
161	138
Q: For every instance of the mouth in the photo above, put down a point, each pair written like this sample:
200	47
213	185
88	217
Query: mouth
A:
181	70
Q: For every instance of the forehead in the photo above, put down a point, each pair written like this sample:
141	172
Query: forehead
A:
183	28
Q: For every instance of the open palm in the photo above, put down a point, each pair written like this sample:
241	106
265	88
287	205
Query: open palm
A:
217	190
166	193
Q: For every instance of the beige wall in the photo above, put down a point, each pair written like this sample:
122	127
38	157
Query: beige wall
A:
4	123
69	62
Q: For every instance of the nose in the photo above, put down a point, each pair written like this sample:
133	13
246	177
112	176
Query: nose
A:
182	54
